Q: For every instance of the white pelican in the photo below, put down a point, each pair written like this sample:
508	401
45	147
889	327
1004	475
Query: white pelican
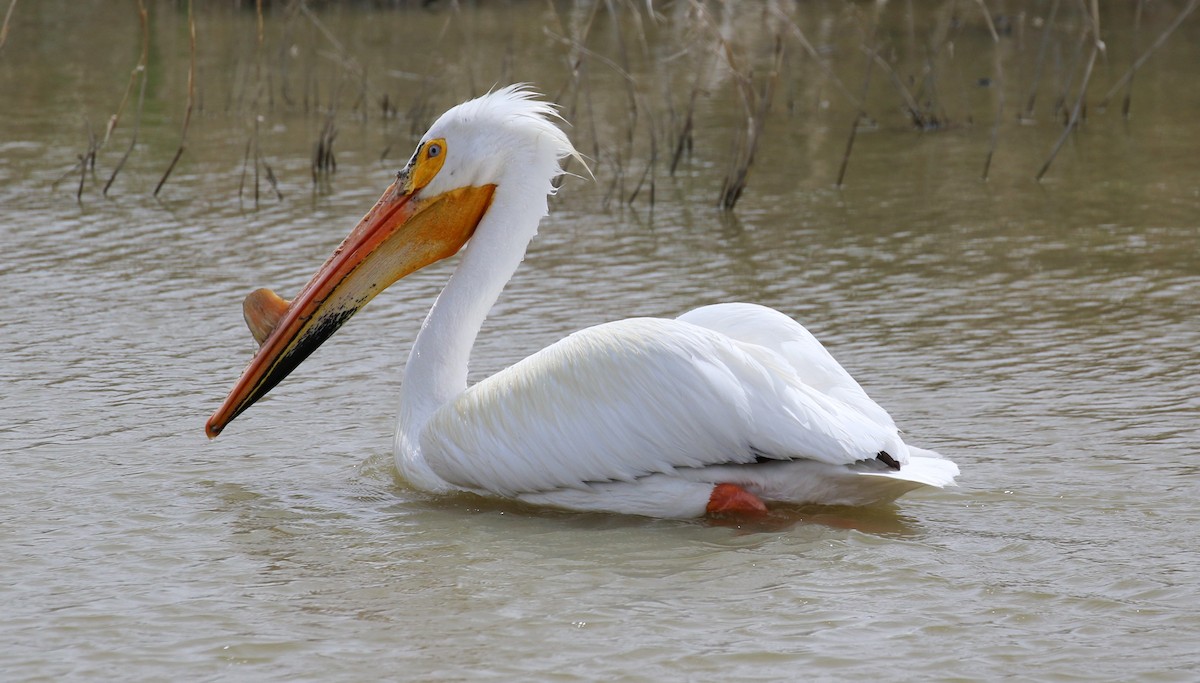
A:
721	410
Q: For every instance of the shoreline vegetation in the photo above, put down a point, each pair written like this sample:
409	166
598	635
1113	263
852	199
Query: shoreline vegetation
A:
862	66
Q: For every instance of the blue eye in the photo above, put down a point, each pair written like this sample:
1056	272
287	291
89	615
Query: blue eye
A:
433	151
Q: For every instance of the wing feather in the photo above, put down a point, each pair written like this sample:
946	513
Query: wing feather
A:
623	400
809	359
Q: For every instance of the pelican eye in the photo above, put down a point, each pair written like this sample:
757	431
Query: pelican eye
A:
427	161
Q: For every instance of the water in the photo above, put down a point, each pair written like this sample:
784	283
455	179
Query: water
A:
1043	336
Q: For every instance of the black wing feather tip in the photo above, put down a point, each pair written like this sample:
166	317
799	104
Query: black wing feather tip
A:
887	459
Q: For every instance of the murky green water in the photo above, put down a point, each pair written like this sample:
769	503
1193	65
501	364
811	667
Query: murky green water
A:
1044	336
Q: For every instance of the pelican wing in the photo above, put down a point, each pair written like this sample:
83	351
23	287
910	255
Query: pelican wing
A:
624	400
808	358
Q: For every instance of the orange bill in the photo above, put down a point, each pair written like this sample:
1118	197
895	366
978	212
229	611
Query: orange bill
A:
402	233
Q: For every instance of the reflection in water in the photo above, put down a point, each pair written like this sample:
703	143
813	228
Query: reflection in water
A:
878	520
1042	335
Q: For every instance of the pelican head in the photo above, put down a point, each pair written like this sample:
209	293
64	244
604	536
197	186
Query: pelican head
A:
461	167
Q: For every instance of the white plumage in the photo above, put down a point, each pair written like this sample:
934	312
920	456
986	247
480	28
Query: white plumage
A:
640	415
644	416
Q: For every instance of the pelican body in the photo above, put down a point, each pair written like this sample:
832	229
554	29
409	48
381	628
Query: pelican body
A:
723	410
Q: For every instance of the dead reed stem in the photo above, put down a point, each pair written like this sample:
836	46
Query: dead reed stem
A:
4	28
618	181
757	106
1127	101
1073	121
253	151
271	178
345	58
191	100
933	116
651	163
141	71
919	120
816	56
284	42
623	55
1069	81
86	161
1027	115
581	78
998	84
1158	43
253	145
245	166
863	98
324	163
685	141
